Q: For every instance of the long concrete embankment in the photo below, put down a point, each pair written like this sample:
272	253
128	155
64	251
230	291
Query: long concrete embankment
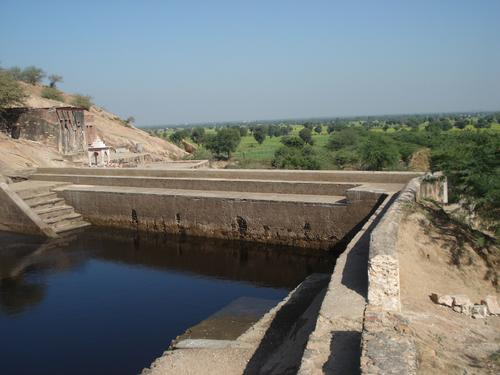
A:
299	208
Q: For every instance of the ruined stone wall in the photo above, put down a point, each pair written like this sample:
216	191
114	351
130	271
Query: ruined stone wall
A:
38	125
60	128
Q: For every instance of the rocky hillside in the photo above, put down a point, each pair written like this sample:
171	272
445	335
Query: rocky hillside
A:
19	153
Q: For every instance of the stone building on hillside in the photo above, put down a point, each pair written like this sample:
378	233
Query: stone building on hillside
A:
60	127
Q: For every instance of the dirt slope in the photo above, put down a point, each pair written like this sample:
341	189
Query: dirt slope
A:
433	261
21	153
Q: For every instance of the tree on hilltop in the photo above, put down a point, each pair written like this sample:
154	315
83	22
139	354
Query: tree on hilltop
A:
32	75
53	79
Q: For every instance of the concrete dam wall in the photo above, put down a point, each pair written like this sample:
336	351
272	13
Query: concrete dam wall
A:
309	209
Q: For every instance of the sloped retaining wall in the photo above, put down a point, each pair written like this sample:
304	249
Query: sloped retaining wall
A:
17	216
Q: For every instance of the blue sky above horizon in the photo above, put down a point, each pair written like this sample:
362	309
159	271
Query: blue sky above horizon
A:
167	62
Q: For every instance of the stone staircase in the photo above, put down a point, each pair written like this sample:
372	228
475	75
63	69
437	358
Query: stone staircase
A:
51	209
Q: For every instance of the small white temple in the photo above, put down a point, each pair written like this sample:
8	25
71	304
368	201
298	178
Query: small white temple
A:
98	154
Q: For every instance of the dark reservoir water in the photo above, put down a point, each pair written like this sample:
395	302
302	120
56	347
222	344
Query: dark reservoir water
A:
110	302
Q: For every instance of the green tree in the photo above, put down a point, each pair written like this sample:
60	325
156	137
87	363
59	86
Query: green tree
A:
54	79
318	128
52	93
11	93
243	131
198	135
259	134
32	75
461	123
178	135
295	158
306	135
224	142
470	161
376	153
344	138
482	123
292	141
83	101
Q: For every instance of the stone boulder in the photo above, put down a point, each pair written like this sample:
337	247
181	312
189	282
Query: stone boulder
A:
462	304
445	299
479	311
491	304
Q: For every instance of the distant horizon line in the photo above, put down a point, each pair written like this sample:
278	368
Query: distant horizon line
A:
199	123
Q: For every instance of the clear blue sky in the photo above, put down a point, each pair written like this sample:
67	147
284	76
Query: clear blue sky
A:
190	61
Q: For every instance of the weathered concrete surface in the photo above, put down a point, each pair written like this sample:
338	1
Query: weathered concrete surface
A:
252	174
388	346
298	220
17	216
334	346
209	184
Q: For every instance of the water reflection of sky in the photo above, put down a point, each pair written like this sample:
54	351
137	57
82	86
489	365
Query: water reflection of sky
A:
108	300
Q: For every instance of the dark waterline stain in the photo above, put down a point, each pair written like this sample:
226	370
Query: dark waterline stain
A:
110	301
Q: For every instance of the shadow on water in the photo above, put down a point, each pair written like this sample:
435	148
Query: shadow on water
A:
231	260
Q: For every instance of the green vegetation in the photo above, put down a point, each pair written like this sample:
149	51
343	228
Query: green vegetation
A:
11	93
52	93
224	142
471	160
32	75
465	147
198	135
306	136
179	135
83	101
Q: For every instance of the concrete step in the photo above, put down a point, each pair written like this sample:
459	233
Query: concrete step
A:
27	189
68	217
49	212
35	199
71	226
46	203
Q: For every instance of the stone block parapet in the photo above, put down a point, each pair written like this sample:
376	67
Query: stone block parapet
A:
387	346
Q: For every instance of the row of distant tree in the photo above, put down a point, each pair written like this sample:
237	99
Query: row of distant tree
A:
261	131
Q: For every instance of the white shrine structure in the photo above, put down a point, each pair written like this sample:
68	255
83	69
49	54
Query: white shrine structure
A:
98	154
